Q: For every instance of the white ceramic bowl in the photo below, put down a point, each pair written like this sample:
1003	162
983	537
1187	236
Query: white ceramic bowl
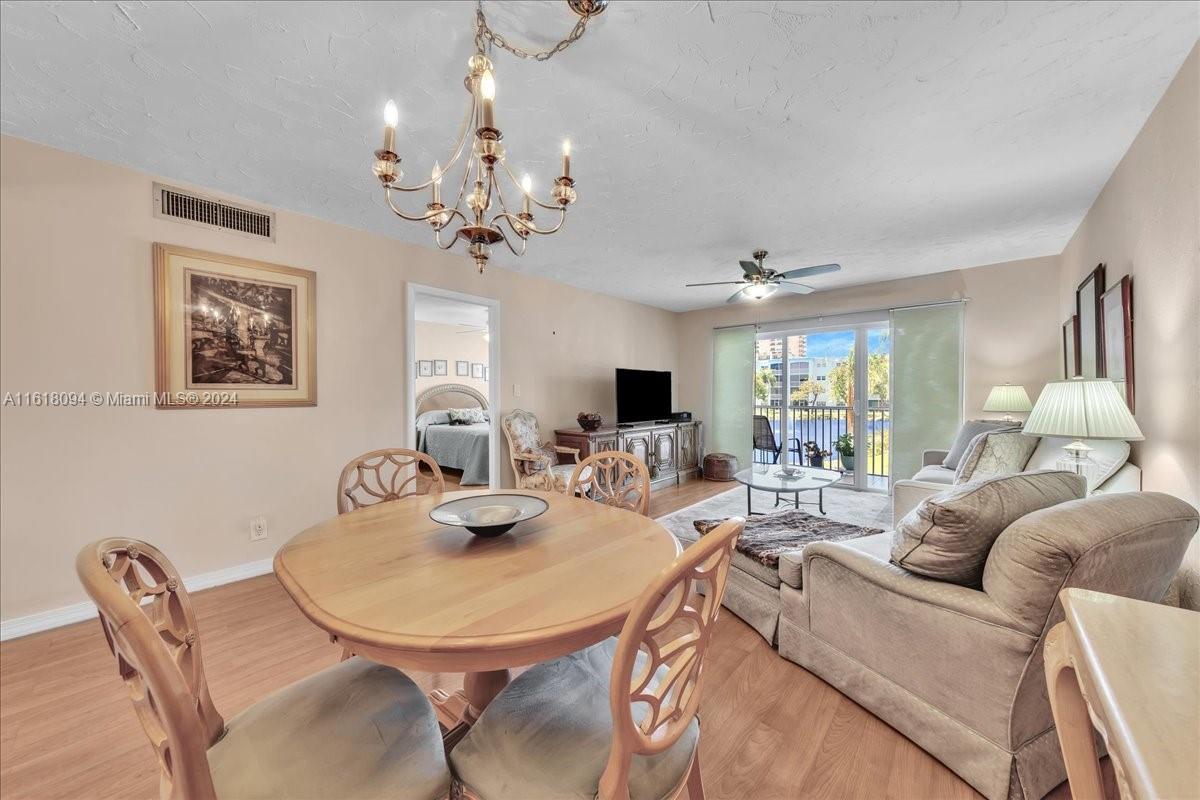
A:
488	514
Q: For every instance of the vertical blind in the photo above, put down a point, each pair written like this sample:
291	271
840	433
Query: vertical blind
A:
733	393
927	376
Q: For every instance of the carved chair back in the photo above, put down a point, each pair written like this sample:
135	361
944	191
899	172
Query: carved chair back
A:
614	479
150	627
522	434
390	474
654	693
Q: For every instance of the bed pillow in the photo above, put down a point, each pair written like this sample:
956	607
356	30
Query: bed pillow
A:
434	418
967	433
995	453
949	535
466	416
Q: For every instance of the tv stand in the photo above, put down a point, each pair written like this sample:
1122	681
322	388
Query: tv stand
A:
671	450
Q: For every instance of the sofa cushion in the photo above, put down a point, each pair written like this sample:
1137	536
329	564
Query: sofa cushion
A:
935	473
1109	456
995	453
948	535
969	430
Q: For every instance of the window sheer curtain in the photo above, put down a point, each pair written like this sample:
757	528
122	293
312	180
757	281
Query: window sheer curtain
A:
927	383
733	393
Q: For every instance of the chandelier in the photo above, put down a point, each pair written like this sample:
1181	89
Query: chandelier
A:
480	215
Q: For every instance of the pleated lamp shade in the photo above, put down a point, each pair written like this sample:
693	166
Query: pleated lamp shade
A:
1007	398
1083	408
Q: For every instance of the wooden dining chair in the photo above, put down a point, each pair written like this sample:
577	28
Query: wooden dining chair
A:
617	719
613	478
354	730
389	474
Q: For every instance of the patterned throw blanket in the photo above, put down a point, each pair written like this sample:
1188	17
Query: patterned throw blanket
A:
768	536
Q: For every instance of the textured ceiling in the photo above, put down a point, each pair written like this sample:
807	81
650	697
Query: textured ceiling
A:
451	312
895	138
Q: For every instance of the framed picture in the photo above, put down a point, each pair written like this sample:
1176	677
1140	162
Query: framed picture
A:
486	376
477	371
1091	335
232	332
462	369
425	369
1070	337
439	366
1116	317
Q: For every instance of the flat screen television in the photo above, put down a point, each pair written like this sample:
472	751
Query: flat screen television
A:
643	395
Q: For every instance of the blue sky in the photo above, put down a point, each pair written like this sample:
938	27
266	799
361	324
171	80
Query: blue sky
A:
838	343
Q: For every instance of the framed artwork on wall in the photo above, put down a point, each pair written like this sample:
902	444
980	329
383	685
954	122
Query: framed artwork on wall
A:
462	369
232	332
1091	334
1070	338
439	366
425	369
1116	317
477	371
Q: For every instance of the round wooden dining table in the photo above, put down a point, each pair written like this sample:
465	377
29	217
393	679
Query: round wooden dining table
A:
391	585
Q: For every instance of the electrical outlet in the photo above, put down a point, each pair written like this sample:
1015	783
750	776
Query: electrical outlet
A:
258	528
516	390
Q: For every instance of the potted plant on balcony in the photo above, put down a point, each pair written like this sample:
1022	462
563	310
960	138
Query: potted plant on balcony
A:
845	448
815	455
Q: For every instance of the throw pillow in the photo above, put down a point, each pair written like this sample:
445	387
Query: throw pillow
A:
995	453
466	416
969	430
1109	455
949	535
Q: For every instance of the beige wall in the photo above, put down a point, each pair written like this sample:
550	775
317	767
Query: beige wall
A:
76	314
1011	329
1146	224
435	340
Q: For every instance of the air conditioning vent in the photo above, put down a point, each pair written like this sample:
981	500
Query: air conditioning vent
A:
212	213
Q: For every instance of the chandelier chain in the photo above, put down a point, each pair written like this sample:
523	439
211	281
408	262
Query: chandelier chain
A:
485	35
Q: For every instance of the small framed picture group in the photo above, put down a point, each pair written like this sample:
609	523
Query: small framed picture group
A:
1097	340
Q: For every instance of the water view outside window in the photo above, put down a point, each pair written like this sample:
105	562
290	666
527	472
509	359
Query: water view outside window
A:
821	414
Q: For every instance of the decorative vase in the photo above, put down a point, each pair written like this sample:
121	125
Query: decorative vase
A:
848	463
589	420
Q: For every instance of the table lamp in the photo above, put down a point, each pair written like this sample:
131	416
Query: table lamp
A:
1007	398
1082	408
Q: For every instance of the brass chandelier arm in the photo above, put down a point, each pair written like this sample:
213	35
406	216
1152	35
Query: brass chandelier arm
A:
508	244
517	223
428	215
532	199
464	131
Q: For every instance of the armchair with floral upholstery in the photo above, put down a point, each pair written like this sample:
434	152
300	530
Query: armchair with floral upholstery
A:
535	463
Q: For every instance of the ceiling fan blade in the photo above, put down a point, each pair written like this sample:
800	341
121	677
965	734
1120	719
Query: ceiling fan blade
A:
804	272
718	283
796	288
737	297
750	268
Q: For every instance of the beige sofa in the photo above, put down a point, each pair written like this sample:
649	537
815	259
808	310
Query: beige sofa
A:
933	477
958	670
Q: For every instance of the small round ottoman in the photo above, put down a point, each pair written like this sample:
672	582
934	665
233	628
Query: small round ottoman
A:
720	466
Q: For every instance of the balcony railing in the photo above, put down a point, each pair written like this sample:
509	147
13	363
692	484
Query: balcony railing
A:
823	425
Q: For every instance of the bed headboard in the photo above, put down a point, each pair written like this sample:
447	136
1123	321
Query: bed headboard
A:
449	395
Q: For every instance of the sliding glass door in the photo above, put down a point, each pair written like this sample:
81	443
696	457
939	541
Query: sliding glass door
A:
819	393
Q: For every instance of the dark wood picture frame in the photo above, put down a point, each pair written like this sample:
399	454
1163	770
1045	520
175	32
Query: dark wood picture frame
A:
1116	318
1070	342
1091	327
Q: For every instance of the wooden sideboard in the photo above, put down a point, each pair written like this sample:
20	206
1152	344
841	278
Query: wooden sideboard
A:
672	450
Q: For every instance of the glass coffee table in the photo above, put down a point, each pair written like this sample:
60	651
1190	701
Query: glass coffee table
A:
772	478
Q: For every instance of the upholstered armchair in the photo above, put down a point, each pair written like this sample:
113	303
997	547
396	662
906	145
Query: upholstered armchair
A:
534	462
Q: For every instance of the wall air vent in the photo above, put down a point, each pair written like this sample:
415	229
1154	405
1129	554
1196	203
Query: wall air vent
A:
210	212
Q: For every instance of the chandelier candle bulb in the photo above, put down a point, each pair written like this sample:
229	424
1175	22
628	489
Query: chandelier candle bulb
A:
487	90
566	165
527	188
391	116
436	177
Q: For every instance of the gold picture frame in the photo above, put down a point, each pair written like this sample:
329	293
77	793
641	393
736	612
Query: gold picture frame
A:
232	332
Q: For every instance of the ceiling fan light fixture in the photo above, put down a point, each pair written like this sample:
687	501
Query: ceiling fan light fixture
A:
759	291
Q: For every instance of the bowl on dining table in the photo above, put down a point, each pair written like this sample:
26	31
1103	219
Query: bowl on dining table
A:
488	515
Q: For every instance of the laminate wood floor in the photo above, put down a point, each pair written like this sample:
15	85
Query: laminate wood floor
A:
769	728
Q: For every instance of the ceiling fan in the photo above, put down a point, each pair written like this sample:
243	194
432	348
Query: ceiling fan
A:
760	282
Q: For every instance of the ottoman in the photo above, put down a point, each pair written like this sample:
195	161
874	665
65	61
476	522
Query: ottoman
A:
770	553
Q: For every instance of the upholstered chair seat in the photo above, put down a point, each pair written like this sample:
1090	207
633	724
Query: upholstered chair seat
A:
356	730
548	734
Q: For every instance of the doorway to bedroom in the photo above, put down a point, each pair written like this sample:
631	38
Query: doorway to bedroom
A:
452	344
